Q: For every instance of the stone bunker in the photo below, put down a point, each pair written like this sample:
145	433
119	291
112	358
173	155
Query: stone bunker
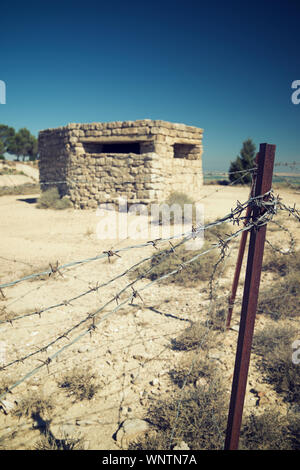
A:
142	161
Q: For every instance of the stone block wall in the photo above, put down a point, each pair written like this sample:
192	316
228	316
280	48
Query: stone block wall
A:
143	161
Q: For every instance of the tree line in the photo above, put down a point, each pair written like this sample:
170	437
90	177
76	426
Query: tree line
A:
21	143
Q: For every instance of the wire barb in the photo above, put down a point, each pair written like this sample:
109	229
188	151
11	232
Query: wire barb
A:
111	253
55	269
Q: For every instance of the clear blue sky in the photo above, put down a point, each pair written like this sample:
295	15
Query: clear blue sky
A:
224	66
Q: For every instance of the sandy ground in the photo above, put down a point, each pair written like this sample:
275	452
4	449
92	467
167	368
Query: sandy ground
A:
129	349
31	174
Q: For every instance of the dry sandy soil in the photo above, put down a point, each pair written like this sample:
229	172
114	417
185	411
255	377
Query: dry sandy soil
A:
24	173
129	352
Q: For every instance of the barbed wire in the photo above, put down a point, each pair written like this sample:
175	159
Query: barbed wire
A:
66	333
58	268
260	221
291	164
292	241
82	180
292	211
95	288
248	170
232	183
270	209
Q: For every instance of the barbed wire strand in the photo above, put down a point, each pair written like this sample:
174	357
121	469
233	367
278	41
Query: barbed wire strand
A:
57	269
262	220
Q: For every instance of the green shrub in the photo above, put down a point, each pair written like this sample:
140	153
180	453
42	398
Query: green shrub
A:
199	420
63	203
165	261
50	199
271	336
177	199
294	430
190	371
282	264
195	336
282	299
268	431
274	345
244	161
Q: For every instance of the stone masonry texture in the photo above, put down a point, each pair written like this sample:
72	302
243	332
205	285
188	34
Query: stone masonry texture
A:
142	161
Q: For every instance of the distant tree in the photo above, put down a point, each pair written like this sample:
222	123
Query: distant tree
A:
244	161
2	151
32	150
6	134
23	144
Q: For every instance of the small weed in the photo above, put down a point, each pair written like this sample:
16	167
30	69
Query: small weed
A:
48	442
34	404
79	383
271	336
89	232
5	384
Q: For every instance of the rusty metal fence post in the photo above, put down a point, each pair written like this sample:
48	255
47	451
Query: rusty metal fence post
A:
240	257
249	304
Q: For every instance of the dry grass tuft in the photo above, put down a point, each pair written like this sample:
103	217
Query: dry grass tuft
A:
282	299
177	200
47	442
274	345
79	383
199	270
50	199
282	264
201	422
189	372
34	404
268	431
195	336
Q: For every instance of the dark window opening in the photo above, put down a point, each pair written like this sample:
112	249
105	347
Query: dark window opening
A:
122	147
183	150
119	147
92	147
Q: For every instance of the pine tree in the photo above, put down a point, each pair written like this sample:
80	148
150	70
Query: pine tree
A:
244	161
6	135
23	144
